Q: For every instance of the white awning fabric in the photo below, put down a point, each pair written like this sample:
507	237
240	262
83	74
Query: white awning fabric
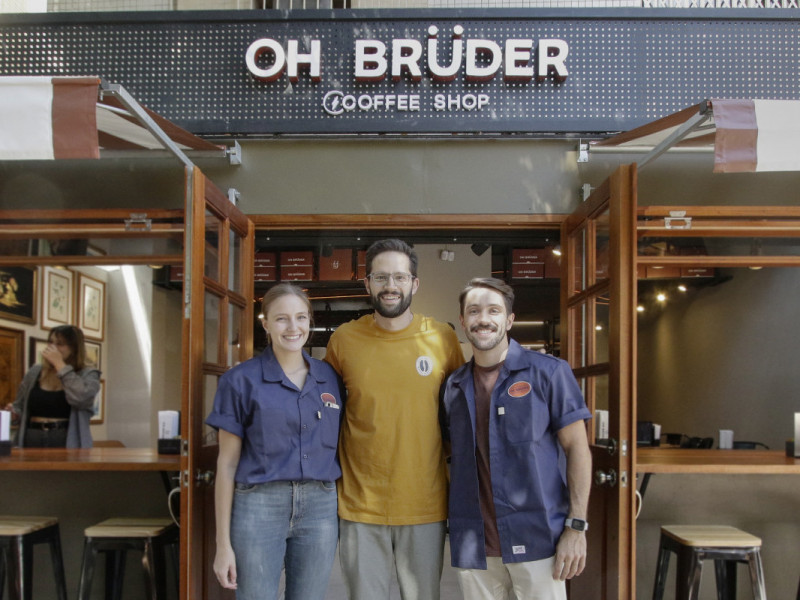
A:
746	135
45	118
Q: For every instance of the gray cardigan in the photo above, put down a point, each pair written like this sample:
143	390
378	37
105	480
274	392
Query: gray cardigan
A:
80	387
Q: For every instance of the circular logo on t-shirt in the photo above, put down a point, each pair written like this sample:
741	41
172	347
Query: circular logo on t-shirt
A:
326	397
424	365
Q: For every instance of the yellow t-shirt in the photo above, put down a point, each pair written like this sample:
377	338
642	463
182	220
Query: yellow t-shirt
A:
390	447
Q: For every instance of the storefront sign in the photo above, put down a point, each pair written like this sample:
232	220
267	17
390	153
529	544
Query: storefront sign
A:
416	72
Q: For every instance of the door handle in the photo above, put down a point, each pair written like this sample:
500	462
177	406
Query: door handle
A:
206	477
608	478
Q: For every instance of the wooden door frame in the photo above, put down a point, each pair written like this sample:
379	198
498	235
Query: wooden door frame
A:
616	196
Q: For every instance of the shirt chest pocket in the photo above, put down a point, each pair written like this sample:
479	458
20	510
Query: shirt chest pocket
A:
330	416
272	430
523	419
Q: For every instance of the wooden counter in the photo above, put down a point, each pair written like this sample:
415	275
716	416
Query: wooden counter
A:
90	459
685	460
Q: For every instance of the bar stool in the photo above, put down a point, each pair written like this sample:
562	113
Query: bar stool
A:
114	537
726	546
17	538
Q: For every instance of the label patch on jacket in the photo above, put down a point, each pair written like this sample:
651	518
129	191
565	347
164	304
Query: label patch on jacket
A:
518	549
424	365
519	389
328	399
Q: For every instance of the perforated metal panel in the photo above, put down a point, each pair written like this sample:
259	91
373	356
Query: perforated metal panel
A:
623	71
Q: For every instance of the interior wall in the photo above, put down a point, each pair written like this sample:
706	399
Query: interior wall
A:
144	355
722	358
442	281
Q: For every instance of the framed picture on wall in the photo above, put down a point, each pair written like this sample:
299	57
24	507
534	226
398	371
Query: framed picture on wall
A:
56	297
91	306
11	363
99	411
35	347
18	294
93	357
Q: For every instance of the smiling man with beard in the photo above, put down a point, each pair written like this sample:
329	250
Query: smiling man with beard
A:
393	490
521	467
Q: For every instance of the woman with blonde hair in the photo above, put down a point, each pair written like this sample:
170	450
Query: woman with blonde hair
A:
278	420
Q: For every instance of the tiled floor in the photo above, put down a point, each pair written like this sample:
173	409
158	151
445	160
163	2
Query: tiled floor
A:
449	587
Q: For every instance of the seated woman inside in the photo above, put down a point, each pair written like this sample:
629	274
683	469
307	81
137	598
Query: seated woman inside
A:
55	400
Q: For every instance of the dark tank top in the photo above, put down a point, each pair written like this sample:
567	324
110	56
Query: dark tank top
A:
48	404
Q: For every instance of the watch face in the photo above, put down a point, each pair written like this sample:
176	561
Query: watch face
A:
577	524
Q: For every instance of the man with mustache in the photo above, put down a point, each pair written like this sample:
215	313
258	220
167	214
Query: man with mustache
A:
393	490
520	471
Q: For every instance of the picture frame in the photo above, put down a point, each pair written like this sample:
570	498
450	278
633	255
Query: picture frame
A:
57	297
35	347
18	294
99	410
94	355
11	363
91	307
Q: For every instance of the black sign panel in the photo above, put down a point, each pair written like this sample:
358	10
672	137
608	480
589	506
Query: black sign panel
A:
609	70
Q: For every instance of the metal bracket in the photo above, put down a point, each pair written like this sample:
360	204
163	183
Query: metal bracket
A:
583	153
138	222
233	196
586	191
677	219
234	153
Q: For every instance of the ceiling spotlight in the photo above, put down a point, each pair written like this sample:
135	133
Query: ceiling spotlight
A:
557	250
478	248
682	288
661	297
640	308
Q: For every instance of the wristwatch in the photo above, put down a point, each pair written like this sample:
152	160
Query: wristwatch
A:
576	524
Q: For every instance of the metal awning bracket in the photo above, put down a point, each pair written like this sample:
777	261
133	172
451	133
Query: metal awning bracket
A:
693	123
234	153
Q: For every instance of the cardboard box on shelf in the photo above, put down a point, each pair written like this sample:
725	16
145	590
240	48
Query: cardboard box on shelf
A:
336	267
265	273
527	271
297	273
697	272
527	255
361	264
654	272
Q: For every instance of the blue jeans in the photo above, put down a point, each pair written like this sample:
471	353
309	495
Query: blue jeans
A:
284	524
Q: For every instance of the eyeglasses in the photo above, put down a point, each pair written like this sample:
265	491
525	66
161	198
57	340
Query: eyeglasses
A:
383	278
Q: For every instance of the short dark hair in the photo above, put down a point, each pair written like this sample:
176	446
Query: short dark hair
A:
490	283
392	245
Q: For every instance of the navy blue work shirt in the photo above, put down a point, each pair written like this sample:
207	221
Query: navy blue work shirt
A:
535	396
287	434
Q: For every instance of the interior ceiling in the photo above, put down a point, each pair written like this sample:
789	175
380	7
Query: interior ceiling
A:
270	240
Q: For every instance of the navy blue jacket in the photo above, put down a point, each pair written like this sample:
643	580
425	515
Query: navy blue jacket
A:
535	396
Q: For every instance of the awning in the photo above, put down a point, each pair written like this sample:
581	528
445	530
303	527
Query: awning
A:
45	118
745	135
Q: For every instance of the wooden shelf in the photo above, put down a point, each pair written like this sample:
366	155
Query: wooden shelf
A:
89	459
684	460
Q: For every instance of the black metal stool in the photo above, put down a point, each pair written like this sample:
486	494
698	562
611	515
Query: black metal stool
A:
17	538
726	546
114	537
